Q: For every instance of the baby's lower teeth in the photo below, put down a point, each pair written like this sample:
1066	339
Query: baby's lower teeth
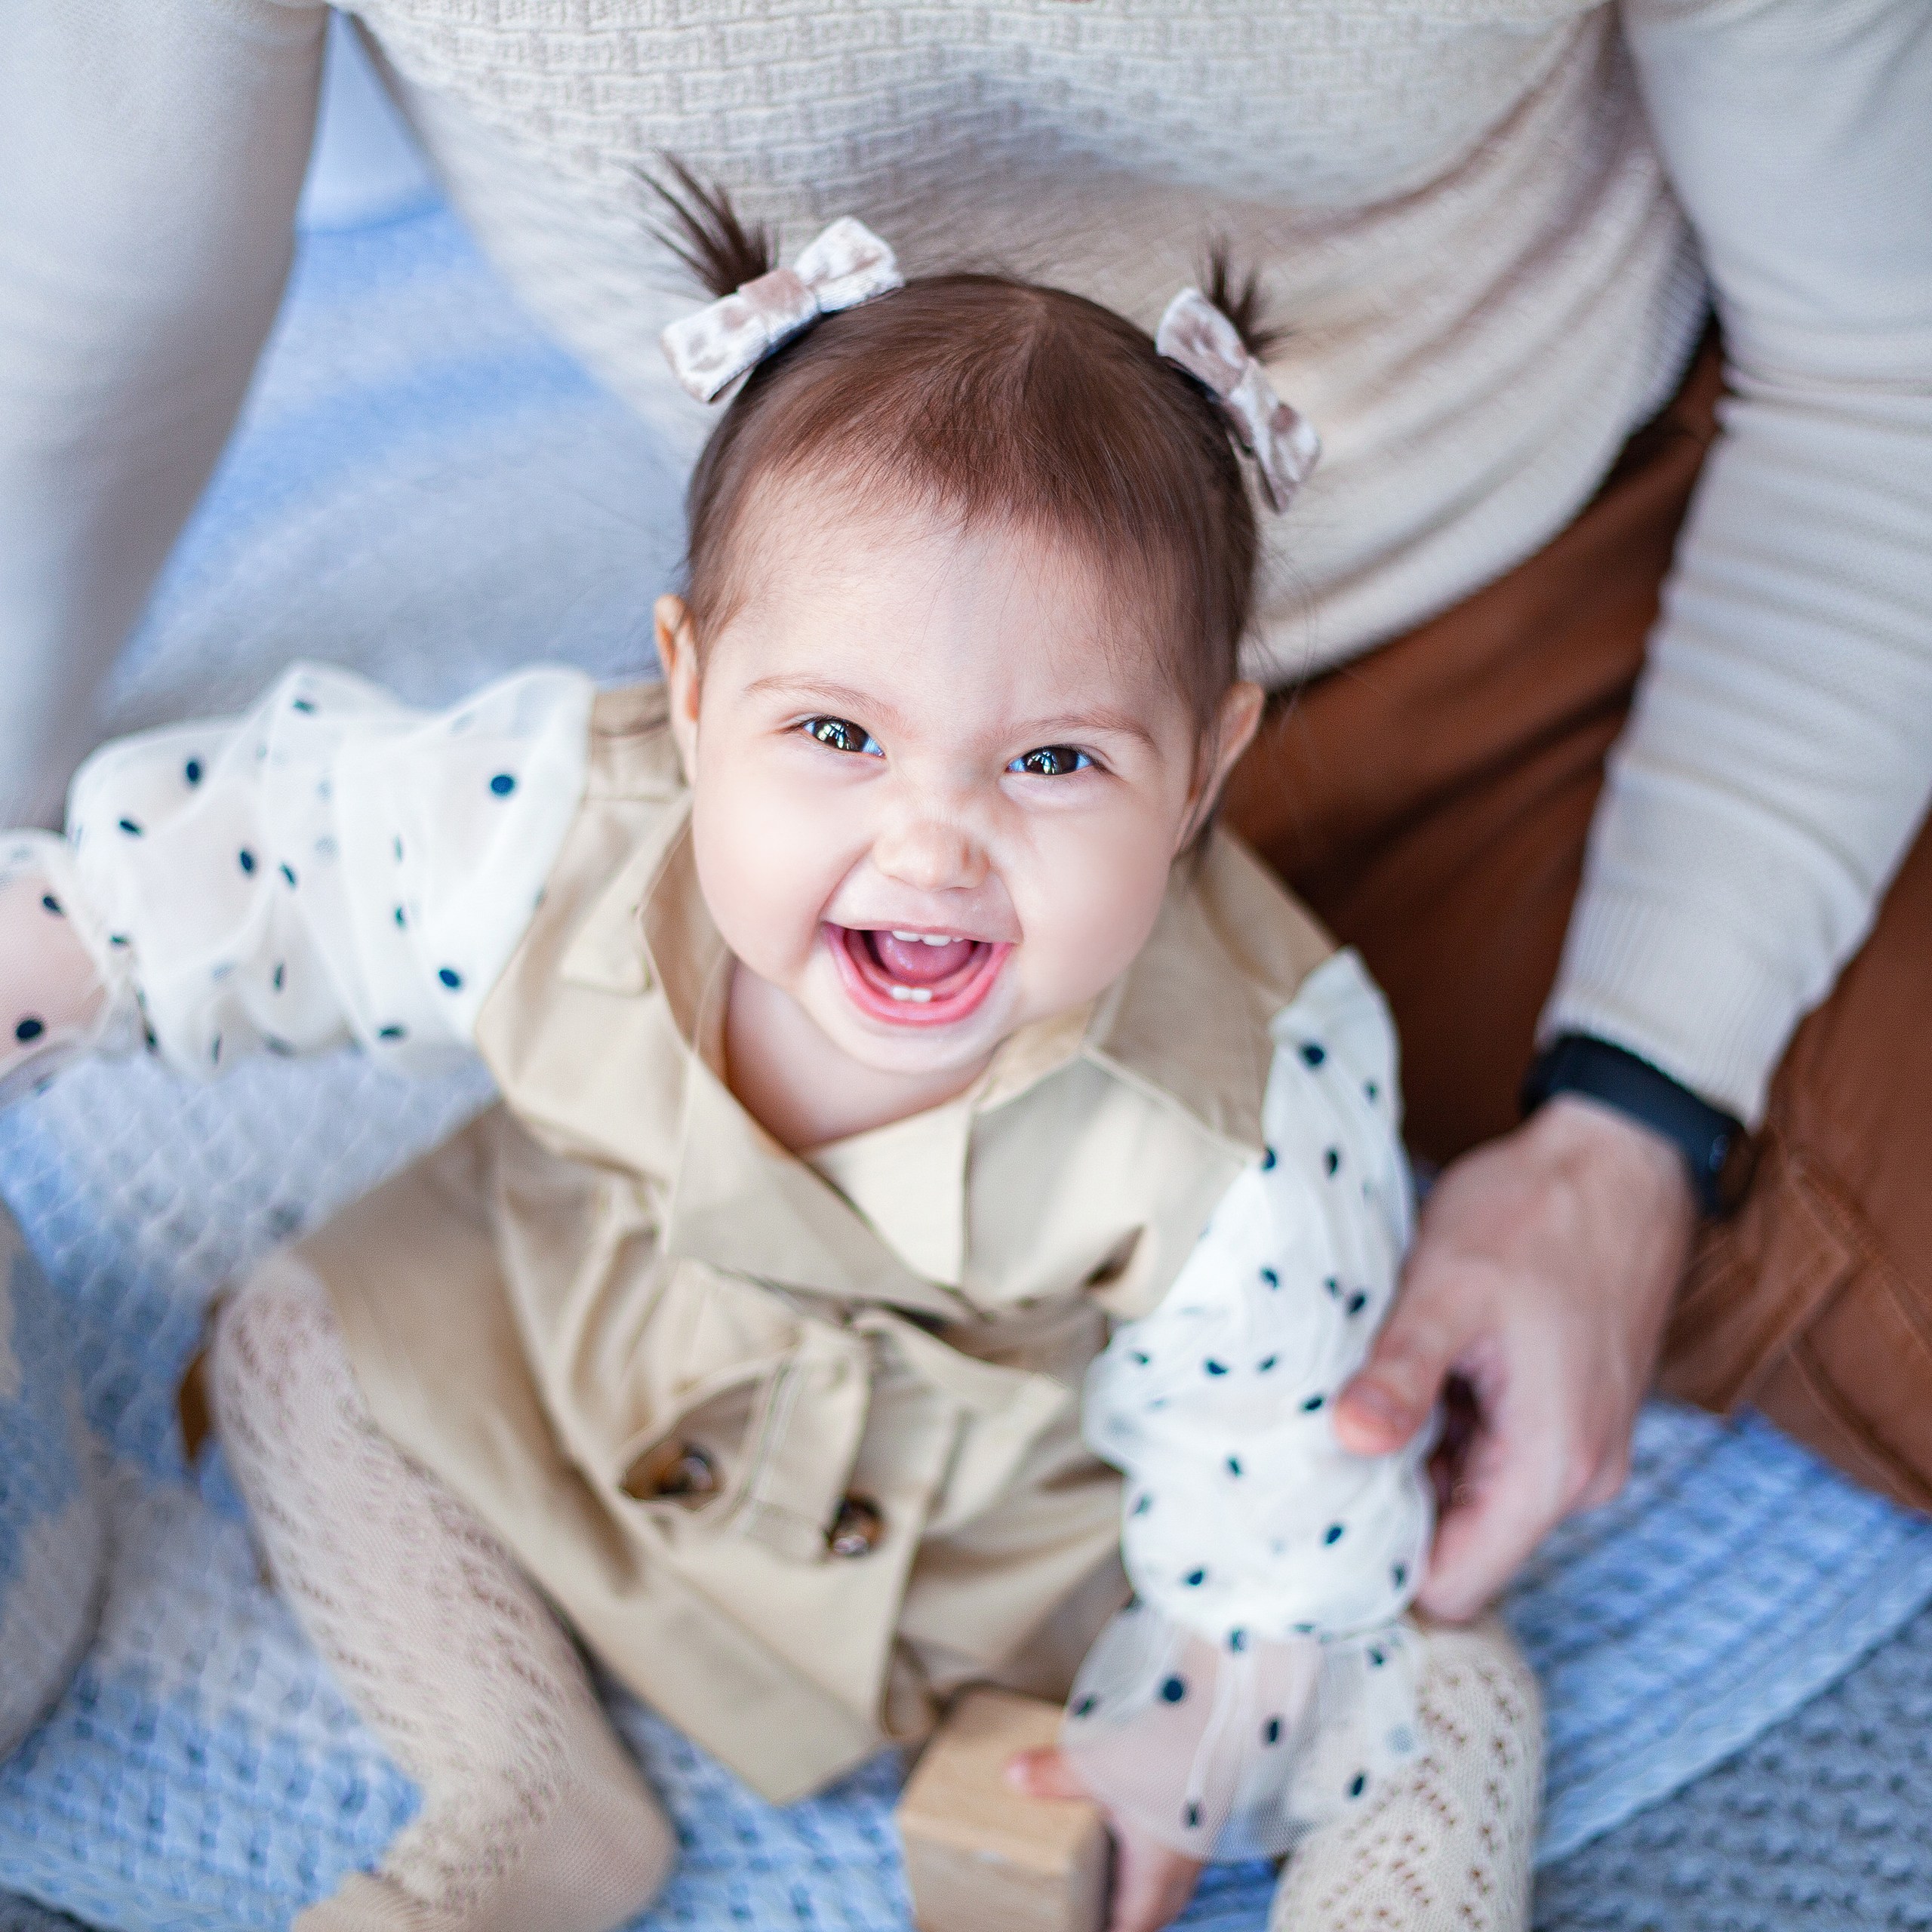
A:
920	994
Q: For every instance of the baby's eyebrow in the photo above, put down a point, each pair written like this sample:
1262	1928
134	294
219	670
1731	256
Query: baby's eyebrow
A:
869	708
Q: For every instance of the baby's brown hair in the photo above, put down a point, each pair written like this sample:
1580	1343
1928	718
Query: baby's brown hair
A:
1006	403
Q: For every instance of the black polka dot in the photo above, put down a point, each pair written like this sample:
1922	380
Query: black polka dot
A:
1374	1092
1085	1705
305	705
1334	1287
288	873
133	830
1401	1574
1192	1816
1357	1302
53	905
1270	1731
1145	1504
247	858
191	771
1314	1052
1195	1578
280	974
1237	1640
449	976
1234	1465
1376	1659
1266	1363
280	1048
402	918
1332	1159
1332	1534
1214	1367
398	843
1358	1784
1312	1404
214	1052
1139	1356
1267	1158
390	1032
29	1029
503	784
1269	1279
1173	1690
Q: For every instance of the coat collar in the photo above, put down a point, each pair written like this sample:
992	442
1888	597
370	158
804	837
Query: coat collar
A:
1186	1025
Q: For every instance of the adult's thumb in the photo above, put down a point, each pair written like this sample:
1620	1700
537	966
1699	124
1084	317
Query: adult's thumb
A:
1391	1396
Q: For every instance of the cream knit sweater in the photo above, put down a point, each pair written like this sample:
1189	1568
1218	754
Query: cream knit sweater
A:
1473	211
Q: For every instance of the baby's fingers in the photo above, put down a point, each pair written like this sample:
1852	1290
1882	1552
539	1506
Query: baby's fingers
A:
1043	1773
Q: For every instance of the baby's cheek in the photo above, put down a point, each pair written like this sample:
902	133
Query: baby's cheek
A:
762	864
1095	897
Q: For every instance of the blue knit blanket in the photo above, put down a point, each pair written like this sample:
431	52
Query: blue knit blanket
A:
427	490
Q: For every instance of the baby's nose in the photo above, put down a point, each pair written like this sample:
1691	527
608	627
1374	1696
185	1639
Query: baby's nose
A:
931	853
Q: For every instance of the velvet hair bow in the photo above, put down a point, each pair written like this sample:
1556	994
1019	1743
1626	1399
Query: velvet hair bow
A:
1196	335
847	264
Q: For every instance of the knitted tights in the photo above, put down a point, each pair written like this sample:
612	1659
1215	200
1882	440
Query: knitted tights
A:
1447	1848
534	1818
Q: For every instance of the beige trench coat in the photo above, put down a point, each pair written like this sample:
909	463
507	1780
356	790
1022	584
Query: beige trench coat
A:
794	1444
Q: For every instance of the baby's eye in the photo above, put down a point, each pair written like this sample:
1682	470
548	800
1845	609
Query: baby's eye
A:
842	735
1050	762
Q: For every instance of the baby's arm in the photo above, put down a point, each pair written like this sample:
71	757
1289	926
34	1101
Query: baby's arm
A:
331	867
1263	1683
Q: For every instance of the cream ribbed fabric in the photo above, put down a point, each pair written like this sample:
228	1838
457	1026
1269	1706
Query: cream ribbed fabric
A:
533	1814
1465	207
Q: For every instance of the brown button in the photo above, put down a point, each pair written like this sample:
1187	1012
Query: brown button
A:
856	1529
673	1472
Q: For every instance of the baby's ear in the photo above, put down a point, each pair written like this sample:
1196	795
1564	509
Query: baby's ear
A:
676	652
1237	718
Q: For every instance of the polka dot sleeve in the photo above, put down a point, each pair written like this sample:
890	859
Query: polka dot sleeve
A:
333	866
1261	1681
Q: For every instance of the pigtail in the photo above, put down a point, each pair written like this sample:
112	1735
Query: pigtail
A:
703	231
1243	303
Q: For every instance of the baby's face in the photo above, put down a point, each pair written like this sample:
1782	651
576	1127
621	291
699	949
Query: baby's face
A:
931	803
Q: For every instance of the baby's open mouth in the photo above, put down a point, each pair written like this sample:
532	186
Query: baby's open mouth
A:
914	979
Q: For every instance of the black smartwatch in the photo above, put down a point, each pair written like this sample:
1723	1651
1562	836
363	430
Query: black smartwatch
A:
1716	1147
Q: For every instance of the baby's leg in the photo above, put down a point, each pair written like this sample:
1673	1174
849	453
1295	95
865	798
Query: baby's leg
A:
1447	1847
533	1814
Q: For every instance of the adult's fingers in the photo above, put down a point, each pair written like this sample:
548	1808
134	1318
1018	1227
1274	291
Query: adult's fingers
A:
1509	1493
1390	1397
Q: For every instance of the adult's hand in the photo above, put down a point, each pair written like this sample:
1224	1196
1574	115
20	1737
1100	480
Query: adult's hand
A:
1543	1267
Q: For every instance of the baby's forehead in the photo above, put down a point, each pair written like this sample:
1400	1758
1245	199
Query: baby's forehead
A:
917	609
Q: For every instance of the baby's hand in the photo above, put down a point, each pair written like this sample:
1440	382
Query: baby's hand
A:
51	995
1152	1883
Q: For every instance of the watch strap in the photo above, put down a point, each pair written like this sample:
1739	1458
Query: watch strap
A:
1713	1143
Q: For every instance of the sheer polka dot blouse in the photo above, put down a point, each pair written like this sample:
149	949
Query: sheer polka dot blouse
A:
333	866
1271	1567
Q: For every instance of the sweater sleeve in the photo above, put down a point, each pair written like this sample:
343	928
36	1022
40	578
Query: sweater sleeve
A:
332	867
1260	1683
151	153
1779	758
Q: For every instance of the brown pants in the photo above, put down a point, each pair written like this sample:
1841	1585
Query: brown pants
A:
1430	802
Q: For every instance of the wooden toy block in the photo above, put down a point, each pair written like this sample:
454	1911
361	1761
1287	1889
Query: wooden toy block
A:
983	1857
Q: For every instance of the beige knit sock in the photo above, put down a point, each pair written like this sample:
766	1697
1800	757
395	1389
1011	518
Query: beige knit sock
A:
534	1817
1447	1848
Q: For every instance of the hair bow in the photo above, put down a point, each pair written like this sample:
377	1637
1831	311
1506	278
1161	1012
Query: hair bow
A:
1196	335
847	264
